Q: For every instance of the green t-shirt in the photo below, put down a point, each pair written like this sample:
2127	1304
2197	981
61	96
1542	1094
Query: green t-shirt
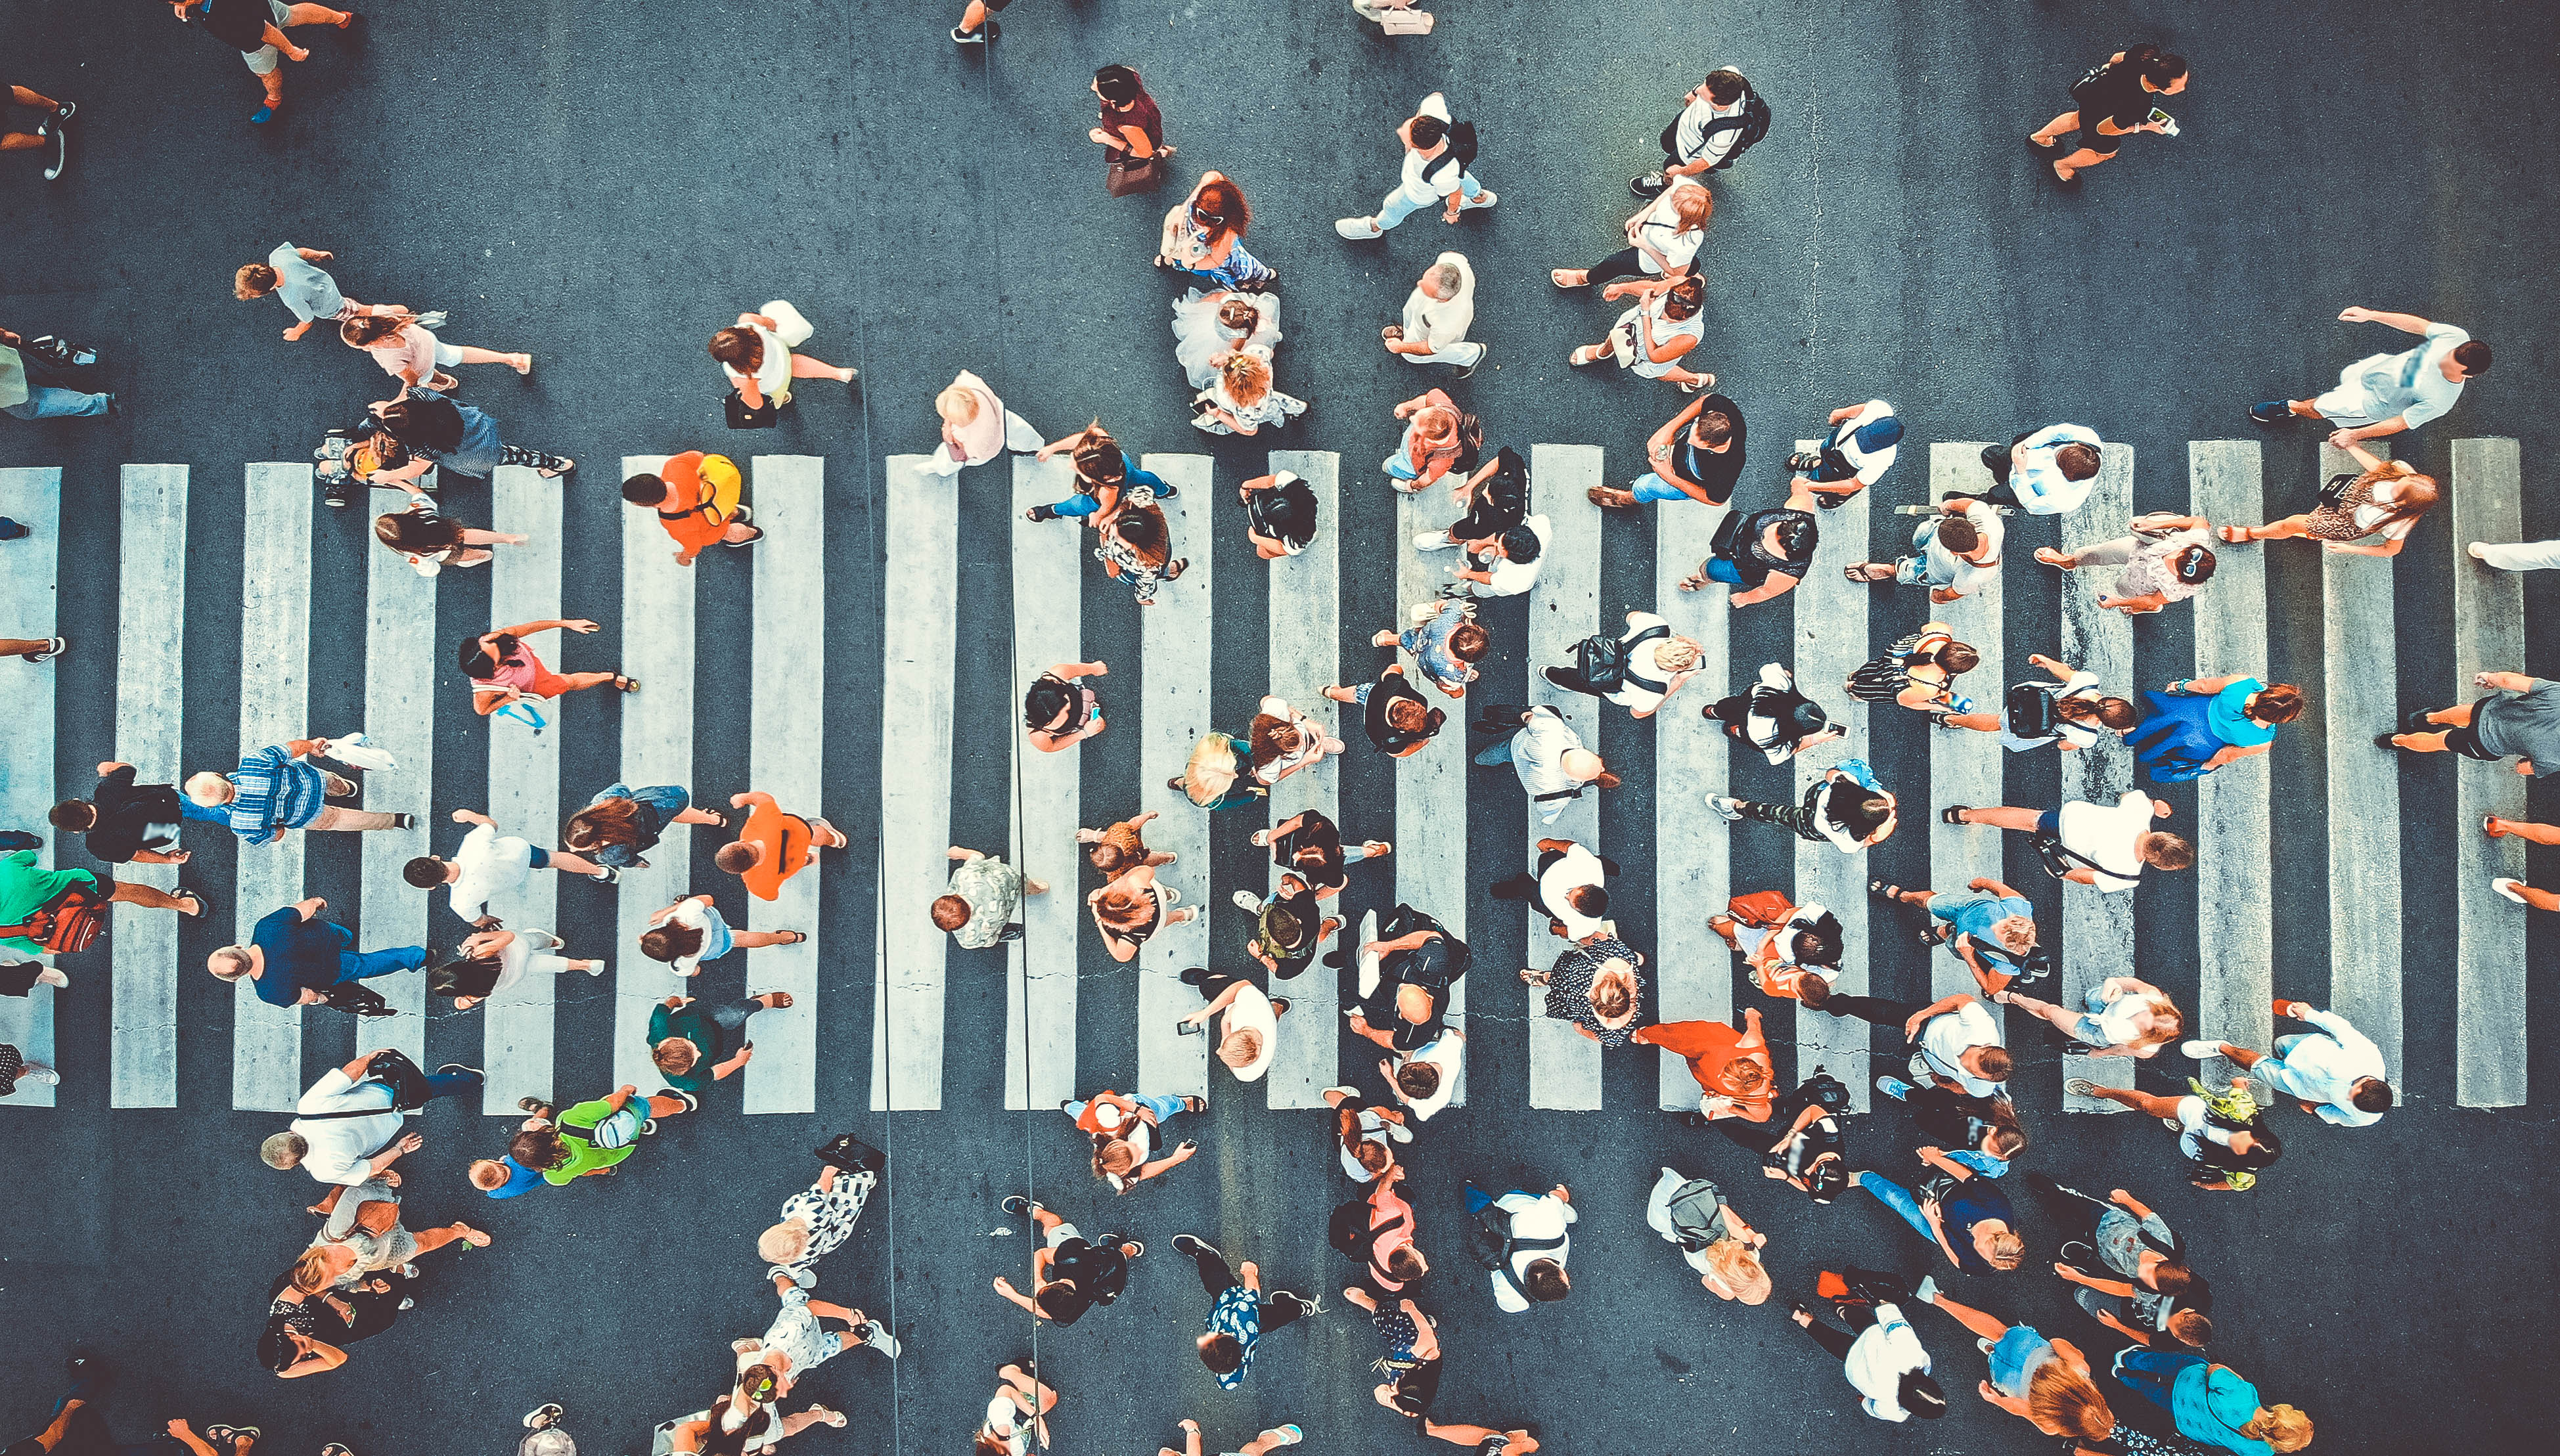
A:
25	886
694	1024
585	1156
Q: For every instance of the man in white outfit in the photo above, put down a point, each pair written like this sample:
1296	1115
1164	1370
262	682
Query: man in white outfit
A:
2385	394
2520	556
1437	154
1437	314
976	427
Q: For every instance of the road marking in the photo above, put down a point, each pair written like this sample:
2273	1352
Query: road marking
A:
516	1025
1306	614
2361	667
1564	609
1430	861
1692	970
150	695
2097	928
787	755
1964	765
28	595
1040	985
657	748
920	586
2234	864
1176	636
2489	1049
1832	642
274	702
399	715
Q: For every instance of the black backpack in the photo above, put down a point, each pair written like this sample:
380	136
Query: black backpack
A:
1753	124
2033	712
1602	659
1461	153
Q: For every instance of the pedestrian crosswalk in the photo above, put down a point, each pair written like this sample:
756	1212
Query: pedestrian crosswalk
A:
1157	709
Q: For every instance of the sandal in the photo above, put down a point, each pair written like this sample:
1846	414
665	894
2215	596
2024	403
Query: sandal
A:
192	899
1175	572
566	466
1193	1102
1953	814
1557	276
625	685
797	937
1882	890
2058	560
2234	534
1587	354
782	998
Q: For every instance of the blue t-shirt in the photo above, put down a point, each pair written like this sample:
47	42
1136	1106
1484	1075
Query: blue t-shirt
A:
2225	714
1969	1202
520	1179
300	955
1976	917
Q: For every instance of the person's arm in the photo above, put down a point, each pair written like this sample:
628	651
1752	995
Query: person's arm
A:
323	1357
1166	1164
376	1165
2150	601
1777	584
1224	999
2407	323
1957	1001
1657	451
2115	1287
1938	1231
745	1054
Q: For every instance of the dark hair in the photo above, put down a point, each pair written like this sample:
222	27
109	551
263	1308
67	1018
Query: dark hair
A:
2116	713
1920	1395
1713	426
1543	1281
1590	899
1118	84
274	1351
1418	1079
1099	458
1281	924
1467	641
2078	461
367	329
1866	814
538	1148
1725	85
670	942
1682	300
1520	544
1057	1300
1427	131
1825	1180
1048	697
1222	1354
2190	1327
423	872
2170	852
479	663
2372	1094
1958	658
426	422
1144	530
2163	66
2195	566
2474	355
950	912
1813	948
1406	1263
1958	535
2170	1276
738	347
736	857
1796	538
2277	702
1996	1064
73	814
644	490
473	977
604	823
406	530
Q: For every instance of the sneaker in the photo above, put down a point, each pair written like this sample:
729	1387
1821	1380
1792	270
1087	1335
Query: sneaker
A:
607	876
1347	1092
36	1071
535	1105
2512	888
1017	1205
458	1066
596	968
1248	901
2080	1088
1804	464
690	1102
1165	493
54	647
873	1335
404	821
986	31
14	839
1893	1087
19	531
1358	229
261	117
542	1416
649	1127
1468	371
2200	1050
1191	1244
1648	186
1730	808
1433	540
2269	413
62	150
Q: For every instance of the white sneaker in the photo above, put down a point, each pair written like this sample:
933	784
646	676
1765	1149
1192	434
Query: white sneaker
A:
1433	540
38	1073
1730	808
1480	200
596	969
2200	1050
1248	901
543	1417
1358	229
879	1338
2511	888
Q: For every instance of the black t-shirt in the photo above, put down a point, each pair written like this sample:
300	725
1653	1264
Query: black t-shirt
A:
1501	499
240	24
1750	556
1391	687
2115	95
1714	470
1322	869
132	816
1096	1274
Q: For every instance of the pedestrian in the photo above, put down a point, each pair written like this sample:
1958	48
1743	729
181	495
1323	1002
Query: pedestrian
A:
1122	845
2111	102
1532	1237
544	1435
293	957
691	930
2518	891
1131	133
1412	1359
622	823
1660	329
1069	1275
429	541
760	355
38	907
1720	117
294	275
1494	495
687	1037
1203	236
1438	153
1764	553
1919	672
796	1343
18	978
1438	438
2387	393
2197	725
2520	719
2071	713
1425	1078
1210	327
1545	752
1661	240
25	393
488	864
2211	1403
505	670
408	351
1240	1316
1692	1215
256	29
1446	641
977	27
1790	950
1846	806
1956	553
2222	1134
984	894
508	1175
1404	981
1861	447
1965	1214
1696	455
2385	501
1734	1074
2332	1069
2119	1017
2044	1382
1248	1028
1801	1144
1638	668
1136	547
1983	1131
1955	1043
1989	925
1279	514
1284	740
2164	555
1773	717
593	1137
1212	776
2044	472
1398	719
1309	845
492	961
2099	845
773	846
1059	711
816	1221
1594	987
1365	1134
1125	1135
1132	907
348	1126
15	1068
53	134
700	499
746	1418
1437	314
306	1330
1018	1413
2157	1292
1378	1230
1566	882
1880	1351
1107	478
1506	564
976	427
1289	925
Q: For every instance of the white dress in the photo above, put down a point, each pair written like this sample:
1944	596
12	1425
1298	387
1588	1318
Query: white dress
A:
1272	409
1199	337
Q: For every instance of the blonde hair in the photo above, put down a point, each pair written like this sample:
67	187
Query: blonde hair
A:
311	1271
2008	1250
956	404
1693	205
1677	655
2012	939
1248	378
675	1055
1744	1075
784	1242
1241	1049
2280	1427
2058	1395
1115	1157
1737	1270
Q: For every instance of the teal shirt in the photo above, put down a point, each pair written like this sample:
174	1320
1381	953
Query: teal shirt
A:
2230	723
25	886
2212	1402
694	1024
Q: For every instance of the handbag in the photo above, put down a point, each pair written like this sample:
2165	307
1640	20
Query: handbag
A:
356	999
2061	860
744	416
65	923
1123	179
1406	22
363	752
2333	494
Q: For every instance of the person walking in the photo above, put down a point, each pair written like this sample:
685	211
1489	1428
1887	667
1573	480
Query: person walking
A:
1059	711
1494	495
1130	132
51	133
296	279
592	1138
294	957
1309	845
2044	472
2385	395
1845	807
2493	827
686	1038
700	499
1955	553
256	29
1919	672
2111	102
796	1343
2119	1017
817	1220
1661	240
2071	712
492	961
1989	926
488	864
2044	1382
2386	502
1207	327
1764	553
2197	725
1965	1214
978	27
1638	668
1882	1355
1690	1214
1365	1134
1018	1413
35	903
1126	1134
2222	1134
2519	719
1107	478
2334	1069
1376	1230
2212	1403
693	930
984	894
1404	981
1239	1314
1136	548
1438	153
1544	752
2164	555
1594	987
1432	329
1132	907
1279	514
1696	455
504	669
1536	1238
1505	563
2103	845
1446	641
1438	438
1203	236
1773	717
1248	1019
773	846
1069	1275
429	541
976	427
1661	328
408	351
623	823
759	355
1241	399
1122	845
1398	720
423	430
1735	1077
2156	1292
1860	446
15	1068
348	1126
1790	950
25	393
1720	117
1565	883
1955	1043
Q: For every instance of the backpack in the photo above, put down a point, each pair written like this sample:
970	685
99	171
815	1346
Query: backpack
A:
65	923
1753	124
1605	661
2032	713
1695	1212
1461	153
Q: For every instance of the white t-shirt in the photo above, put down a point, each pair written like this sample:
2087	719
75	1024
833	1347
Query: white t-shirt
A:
1870	465
492	863
695	913
1644	661
341	1147
1694	144
1514	578
1446	1053
2107	835
1251	1011
1627	339
1958	573
1877	1361
1944	1040
1575	868
2036	479
1441	322
1415	188
1658	226
1533	1217
2409	386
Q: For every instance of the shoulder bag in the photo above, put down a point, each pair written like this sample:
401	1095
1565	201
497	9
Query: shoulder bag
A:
67	923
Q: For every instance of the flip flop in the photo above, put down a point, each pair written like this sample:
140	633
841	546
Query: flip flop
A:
628	685
1953	814
2234	534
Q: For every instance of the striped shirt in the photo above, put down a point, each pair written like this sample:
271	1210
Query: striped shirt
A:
276	791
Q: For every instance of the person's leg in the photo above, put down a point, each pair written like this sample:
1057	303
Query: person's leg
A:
1972	1318
756	939
1625	262
365	965
2157	1106
307	14
580	682
804	368
353	820
2521	555
1281	1308
1828	1336
1214	1276
2022	821
28	647
1498	752
1657	1204
1897	1198
2150	1374
2073	1211
2541	834
1515	887
453	1083
152	898
45	402
1878	1010
1395	210
827	837
2051	131
665	1107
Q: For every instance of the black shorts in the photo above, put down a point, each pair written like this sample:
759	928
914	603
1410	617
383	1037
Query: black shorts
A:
2091	139
1417	1387
996	5
2465	739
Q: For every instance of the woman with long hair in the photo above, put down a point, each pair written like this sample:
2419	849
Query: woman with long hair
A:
1137	547
1123	845
1209	326
2044	1382
422	429
431	541
1664	326
1059	711
1124	1154
2197	725
1661	240
1205	235
2123	1017
1438	438
1919	672
505	669
1241	399
493	960
1286	739
407	352
1134	906
1131	133
756	354
624	823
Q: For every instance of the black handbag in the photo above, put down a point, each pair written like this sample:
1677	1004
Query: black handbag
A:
741	416
1127	177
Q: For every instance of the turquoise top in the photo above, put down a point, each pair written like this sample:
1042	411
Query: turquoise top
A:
2233	725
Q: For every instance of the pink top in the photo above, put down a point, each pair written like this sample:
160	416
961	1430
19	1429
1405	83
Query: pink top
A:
410	351
521	670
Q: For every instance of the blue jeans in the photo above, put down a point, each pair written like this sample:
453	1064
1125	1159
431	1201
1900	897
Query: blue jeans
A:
1897	1198
1399	206
365	965
1478	1201
1076	505
44	402
451	1084
1720	569
2151	1374
1650	486
1499	752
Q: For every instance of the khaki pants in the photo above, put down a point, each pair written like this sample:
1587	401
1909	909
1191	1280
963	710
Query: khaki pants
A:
348	819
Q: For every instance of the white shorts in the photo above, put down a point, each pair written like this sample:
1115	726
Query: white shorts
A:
264	60
1062	1232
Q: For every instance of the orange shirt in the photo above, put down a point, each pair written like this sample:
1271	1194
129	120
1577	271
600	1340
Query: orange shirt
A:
692	527
785	837
1710	1048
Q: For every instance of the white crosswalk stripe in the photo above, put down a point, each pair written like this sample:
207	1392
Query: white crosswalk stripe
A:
142	1070
657	748
399	714
1831	634
920	594
274	702
2488	636
1175	637
1964	766
2234	860
2361	692
1040	985
517	1042
787	759
1431	861
1564	609
2096	926
27	596
1691	968
1306	631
